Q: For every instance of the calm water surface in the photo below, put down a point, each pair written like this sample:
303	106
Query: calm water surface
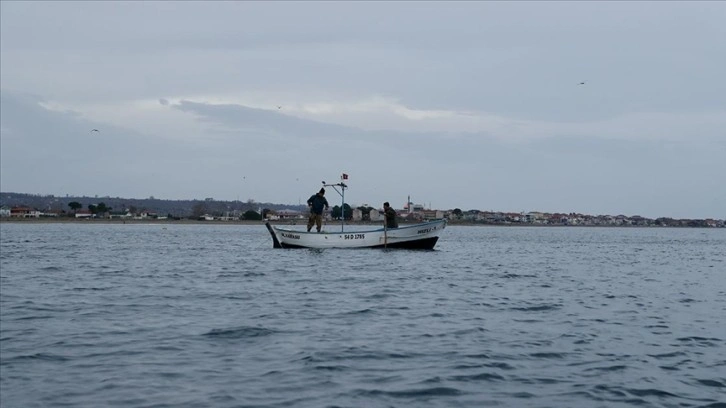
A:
209	315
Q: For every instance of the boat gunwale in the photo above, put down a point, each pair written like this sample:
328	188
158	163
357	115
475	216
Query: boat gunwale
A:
416	244
403	227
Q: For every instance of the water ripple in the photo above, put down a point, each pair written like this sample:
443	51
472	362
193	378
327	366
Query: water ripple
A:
414	393
212	315
239	332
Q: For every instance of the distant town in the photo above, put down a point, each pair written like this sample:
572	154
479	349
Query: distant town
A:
24	206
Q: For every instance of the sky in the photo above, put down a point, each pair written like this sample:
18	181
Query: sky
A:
587	107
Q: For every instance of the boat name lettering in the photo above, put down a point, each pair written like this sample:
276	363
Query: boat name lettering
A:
291	236
354	236
424	231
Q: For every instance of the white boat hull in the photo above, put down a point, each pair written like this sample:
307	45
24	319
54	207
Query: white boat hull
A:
417	236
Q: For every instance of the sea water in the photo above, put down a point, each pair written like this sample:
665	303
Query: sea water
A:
167	315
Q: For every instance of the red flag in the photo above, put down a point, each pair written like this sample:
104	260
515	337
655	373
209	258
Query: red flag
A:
345	176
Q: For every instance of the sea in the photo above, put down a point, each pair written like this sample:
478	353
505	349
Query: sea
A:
210	315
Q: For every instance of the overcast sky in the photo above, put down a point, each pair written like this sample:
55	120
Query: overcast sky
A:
471	105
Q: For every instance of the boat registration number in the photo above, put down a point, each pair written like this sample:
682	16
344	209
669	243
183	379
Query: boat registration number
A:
354	236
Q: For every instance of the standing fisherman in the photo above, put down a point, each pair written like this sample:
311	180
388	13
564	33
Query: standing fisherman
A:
316	203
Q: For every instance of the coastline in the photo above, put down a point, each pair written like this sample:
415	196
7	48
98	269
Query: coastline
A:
88	221
48	220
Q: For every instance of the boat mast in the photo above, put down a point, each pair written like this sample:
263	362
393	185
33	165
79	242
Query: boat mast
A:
342	186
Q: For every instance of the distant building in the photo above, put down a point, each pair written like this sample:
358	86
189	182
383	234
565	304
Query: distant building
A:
148	214
357	214
375	215
24	212
534	217
226	217
52	213
84	214
432	214
289	214
411	208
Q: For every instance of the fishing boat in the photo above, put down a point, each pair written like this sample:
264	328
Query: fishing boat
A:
415	236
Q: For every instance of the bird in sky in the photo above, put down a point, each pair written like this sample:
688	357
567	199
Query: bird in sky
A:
279	107
95	130
582	83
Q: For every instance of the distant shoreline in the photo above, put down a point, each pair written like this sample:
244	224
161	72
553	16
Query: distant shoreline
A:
49	220
87	221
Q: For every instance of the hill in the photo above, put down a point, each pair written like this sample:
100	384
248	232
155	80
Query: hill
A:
174	208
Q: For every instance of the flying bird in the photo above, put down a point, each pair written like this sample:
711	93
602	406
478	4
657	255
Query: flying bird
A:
95	130
279	107
582	83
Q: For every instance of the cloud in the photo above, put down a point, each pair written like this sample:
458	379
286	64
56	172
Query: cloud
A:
180	115
268	156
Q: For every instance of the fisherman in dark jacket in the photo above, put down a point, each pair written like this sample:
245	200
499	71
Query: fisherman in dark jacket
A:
389	215
316	203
